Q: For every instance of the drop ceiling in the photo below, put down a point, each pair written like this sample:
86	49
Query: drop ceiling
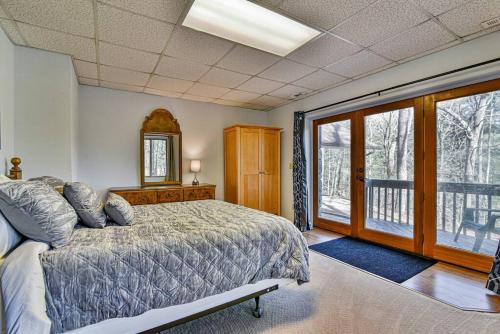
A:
141	46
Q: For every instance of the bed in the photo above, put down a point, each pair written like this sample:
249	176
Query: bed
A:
176	261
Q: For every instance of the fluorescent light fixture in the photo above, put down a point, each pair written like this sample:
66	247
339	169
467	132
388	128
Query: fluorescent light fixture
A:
244	22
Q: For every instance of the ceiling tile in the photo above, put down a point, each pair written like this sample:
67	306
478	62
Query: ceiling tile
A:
269	3
181	68
286	71
79	47
118	75
165	10
169	84
197	46
290	92
379	21
85	69
70	16
247	60
324	13
153	91
198	98
319	80
254	106
2	13
438	7
88	82
121	86
200	89
360	63
132	30
323	51
259	85
270	101
224	78
240	96
10	29
466	20
419	39
119	56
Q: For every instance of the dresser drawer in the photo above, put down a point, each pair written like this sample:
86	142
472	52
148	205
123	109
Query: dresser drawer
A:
166	196
194	194
139	197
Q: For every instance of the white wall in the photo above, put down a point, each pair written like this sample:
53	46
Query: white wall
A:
45	102
471	52
6	102
108	135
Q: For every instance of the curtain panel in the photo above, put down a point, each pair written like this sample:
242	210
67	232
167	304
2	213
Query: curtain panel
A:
301	218
494	277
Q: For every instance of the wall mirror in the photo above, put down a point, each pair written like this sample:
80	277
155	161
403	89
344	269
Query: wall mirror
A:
161	149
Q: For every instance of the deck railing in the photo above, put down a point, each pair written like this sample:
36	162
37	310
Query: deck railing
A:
392	200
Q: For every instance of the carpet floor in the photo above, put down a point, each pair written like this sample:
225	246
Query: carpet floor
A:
342	299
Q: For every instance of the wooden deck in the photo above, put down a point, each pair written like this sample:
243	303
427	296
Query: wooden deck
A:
446	238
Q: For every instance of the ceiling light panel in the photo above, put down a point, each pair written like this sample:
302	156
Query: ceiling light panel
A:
244	22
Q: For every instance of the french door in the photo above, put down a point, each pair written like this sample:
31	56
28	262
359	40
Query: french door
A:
420	175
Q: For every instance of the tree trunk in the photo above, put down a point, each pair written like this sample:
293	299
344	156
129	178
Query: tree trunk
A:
402	144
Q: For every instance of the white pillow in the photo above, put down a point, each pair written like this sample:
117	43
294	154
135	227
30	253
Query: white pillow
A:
4	179
9	238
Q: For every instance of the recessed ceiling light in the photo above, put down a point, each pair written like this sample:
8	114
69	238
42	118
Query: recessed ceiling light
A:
244	22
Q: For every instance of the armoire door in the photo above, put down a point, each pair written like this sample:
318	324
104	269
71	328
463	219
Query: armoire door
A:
269	171
250	168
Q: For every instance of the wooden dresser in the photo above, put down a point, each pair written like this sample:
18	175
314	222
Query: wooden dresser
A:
164	194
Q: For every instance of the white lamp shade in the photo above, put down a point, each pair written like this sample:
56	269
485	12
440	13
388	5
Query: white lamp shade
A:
195	166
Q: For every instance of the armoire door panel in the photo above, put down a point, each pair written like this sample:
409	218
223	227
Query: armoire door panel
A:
269	193
269	143
250	151
250	191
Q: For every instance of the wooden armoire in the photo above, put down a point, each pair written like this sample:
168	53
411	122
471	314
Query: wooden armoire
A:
252	167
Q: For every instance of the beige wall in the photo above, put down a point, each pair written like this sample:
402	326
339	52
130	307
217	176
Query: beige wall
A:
108	135
6	102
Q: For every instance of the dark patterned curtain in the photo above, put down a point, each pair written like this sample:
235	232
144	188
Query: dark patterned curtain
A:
301	218
494	278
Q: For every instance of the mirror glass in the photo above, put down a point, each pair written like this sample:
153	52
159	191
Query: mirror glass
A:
161	158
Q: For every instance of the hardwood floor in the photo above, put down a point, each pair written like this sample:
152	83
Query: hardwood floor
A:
454	285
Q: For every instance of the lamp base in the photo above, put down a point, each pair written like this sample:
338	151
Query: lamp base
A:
195	181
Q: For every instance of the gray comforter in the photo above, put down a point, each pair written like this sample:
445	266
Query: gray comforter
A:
174	253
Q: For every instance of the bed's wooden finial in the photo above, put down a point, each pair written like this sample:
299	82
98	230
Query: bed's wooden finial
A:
16	173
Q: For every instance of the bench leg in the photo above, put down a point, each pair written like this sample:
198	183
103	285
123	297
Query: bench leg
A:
458	232
257	312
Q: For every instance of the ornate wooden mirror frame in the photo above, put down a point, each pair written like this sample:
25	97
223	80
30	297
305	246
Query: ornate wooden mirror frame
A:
161	122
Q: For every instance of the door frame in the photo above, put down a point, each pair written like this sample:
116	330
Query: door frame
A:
408	244
457	256
346	229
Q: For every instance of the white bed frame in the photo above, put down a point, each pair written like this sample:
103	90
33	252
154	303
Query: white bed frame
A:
157	320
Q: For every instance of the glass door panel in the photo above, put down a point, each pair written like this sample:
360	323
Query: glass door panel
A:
389	172
468	177
334	171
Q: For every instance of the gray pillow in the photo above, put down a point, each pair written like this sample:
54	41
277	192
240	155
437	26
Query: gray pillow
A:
86	203
52	181
38	212
119	210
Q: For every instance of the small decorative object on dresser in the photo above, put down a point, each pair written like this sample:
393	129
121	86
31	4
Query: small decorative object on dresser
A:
165	194
195	168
